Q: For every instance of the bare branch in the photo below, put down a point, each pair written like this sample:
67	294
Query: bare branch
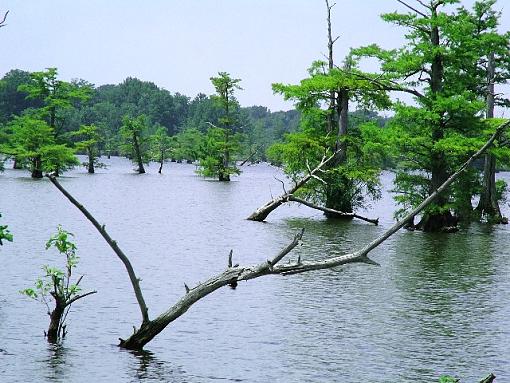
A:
252	154
319	179
262	212
2	23
113	244
413	9
210	123
283	184
230	258
71	301
333	212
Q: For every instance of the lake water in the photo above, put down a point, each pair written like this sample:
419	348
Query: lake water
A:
439	303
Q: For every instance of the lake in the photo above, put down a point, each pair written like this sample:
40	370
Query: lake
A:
439	303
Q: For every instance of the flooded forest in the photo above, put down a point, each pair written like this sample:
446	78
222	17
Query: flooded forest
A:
356	232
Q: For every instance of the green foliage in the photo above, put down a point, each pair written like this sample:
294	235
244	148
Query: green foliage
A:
225	87
188	144
5	234
162	145
353	179
135	142
56	95
32	140
501	190
448	379
222	142
67	106
58	158
323	100
89	141
56	284
447	76
217	142
12	101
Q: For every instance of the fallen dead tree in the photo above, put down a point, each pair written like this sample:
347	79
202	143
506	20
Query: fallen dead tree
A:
233	274
288	196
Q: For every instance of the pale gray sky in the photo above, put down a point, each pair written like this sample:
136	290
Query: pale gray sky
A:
179	44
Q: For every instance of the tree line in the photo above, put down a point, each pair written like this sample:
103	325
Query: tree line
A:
45	120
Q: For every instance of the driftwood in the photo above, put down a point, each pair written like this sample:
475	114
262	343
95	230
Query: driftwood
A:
235	273
288	196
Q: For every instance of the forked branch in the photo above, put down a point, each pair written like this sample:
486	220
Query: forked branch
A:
262	212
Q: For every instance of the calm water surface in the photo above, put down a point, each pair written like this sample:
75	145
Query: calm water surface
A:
439	304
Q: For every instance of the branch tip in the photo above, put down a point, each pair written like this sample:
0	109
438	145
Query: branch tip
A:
230	258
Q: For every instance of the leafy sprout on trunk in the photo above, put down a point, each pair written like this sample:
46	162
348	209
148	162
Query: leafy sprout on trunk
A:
57	285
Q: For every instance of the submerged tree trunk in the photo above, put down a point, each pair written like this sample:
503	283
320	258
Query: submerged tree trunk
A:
338	196
54	328
223	174
37	167
443	219
262	212
488	205
91	169
17	164
138	154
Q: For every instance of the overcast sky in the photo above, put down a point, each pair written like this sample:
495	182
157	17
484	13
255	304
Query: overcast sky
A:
180	44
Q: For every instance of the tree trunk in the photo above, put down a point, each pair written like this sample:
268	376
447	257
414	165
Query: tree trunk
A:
17	165
338	196
442	220
138	154
223	173
160	167
55	321
37	167
488	205
135	281
262	212
331	65
91	161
